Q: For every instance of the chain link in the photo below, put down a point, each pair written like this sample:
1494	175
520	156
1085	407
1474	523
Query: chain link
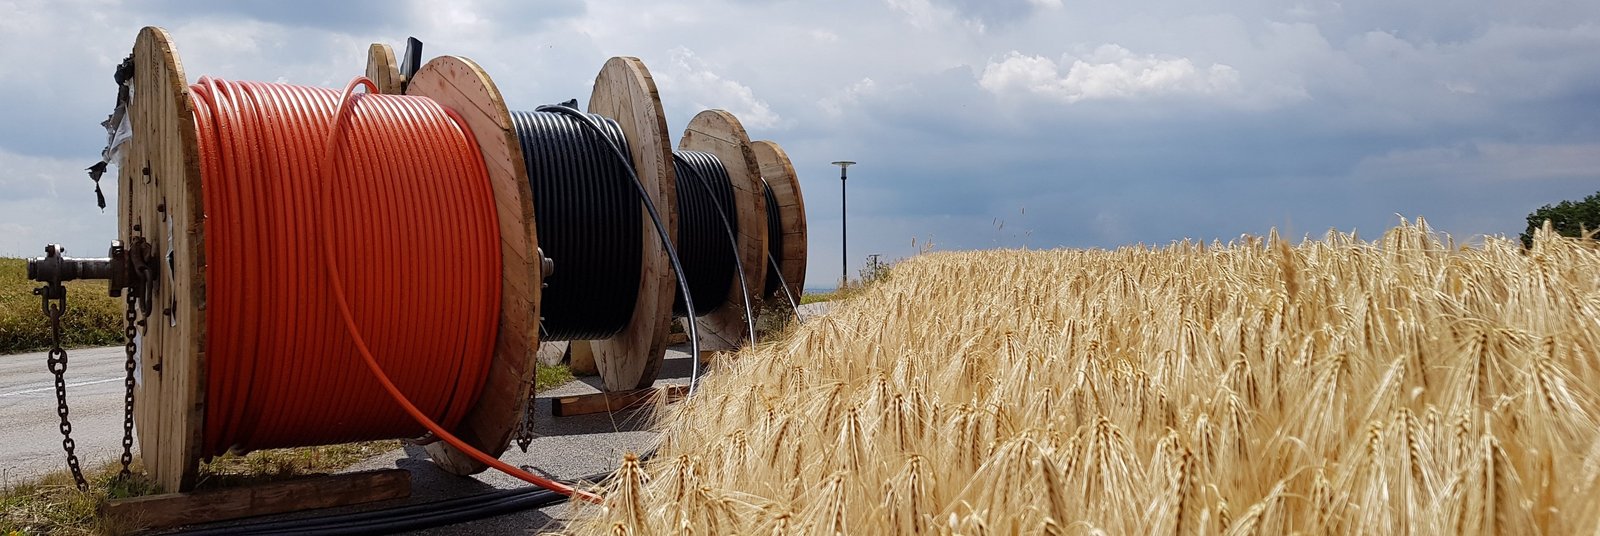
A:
525	430
54	307
131	332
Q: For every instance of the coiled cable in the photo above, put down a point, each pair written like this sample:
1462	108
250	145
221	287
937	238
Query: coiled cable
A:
702	211
399	194
401	189
588	222
775	279
655	219
705	218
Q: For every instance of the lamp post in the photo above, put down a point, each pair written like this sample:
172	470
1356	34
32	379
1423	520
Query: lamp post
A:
844	229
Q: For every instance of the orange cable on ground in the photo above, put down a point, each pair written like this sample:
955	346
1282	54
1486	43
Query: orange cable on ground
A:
394	191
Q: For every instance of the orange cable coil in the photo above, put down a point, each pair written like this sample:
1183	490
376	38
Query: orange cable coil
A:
343	231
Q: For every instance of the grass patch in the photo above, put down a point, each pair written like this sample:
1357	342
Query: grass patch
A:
93	318
845	291
53	505
819	297
273	465
551	376
870	278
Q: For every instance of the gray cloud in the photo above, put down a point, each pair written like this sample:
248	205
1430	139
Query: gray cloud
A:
977	124
346	15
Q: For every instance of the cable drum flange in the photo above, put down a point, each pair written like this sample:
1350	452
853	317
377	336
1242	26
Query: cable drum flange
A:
719	133
786	215
625	92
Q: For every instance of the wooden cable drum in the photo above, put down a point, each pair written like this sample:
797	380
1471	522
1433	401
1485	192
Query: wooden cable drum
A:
625	92
163	201
787	208
719	133
460	84
626	351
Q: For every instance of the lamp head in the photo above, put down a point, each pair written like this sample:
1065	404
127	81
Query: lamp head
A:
844	163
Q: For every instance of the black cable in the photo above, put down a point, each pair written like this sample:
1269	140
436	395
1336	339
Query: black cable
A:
775	279
794	306
707	171
397	518
661	232
774	240
411	517
588	221
705	214
408	517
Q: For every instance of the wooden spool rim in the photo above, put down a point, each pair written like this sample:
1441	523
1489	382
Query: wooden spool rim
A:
720	133
170	397
779	173
461	85
383	70
625	92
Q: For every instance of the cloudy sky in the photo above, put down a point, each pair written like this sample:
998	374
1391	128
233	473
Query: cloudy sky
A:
977	124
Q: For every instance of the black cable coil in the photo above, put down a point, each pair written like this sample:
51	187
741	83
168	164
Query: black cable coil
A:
774	241
588	221
708	257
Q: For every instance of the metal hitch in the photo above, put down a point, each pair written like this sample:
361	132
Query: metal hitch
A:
123	267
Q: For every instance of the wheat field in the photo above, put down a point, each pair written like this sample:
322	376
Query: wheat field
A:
1404	385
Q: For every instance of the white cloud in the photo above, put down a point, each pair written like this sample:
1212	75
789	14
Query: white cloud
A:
823	36
921	14
1110	72
26	177
690	78
1461	87
834	106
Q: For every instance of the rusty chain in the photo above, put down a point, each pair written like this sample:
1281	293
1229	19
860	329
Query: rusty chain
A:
130	332
54	298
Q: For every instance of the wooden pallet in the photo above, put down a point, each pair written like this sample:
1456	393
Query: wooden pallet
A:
611	402
310	493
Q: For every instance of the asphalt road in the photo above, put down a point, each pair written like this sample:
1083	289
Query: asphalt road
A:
28	422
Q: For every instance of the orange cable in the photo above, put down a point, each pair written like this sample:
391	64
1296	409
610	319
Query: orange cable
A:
399	198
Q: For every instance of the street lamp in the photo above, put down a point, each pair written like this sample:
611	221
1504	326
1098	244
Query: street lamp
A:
844	229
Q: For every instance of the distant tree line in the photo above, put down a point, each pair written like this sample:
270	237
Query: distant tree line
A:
1568	218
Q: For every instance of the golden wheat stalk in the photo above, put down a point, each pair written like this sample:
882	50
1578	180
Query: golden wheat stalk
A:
1403	385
